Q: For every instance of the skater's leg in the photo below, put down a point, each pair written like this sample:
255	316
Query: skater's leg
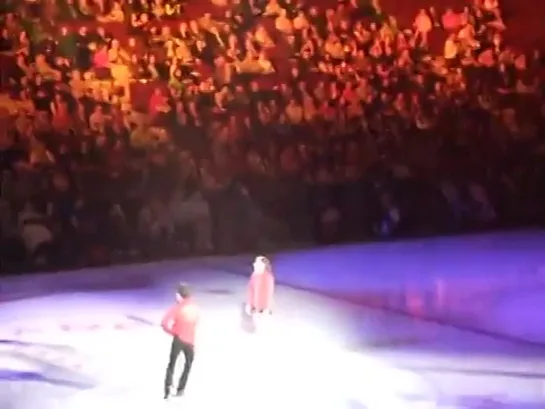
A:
189	354
260	318
175	350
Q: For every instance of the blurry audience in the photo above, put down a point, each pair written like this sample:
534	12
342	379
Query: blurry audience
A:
141	128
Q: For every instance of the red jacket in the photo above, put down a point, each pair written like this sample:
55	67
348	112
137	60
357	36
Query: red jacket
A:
181	321
261	291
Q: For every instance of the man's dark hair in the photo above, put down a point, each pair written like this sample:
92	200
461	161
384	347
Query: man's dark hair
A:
183	290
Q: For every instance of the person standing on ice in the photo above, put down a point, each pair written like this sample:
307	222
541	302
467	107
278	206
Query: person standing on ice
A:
180	322
260	297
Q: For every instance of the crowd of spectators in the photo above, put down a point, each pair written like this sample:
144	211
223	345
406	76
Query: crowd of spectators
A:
139	128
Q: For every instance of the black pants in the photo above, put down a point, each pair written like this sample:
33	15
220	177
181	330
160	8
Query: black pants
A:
189	353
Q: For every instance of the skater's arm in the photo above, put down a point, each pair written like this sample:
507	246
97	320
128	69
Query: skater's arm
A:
167	322
270	293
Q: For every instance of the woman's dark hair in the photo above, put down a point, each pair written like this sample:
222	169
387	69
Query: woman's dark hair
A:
183	290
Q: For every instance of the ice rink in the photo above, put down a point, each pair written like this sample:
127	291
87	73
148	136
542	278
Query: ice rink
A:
437	323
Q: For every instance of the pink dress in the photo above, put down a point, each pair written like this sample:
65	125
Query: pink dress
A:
100	59
155	103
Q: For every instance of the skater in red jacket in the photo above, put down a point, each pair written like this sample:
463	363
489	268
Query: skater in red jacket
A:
261	288
180	322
